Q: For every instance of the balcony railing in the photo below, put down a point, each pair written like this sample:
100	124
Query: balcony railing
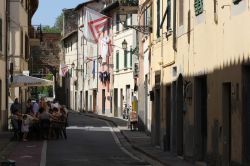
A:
129	2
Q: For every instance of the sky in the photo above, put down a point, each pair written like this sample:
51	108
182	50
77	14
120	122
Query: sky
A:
48	10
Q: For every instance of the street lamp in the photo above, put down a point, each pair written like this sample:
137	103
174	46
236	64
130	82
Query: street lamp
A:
73	65
124	45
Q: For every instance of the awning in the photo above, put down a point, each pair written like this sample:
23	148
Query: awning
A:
28	81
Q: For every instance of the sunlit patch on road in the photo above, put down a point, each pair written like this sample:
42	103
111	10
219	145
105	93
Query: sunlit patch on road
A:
89	128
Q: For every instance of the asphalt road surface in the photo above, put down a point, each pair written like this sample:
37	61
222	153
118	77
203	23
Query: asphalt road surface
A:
90	143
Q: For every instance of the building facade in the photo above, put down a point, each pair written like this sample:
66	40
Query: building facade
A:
88	61
70	58
199	77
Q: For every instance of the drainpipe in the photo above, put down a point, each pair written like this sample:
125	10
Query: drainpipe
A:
5	118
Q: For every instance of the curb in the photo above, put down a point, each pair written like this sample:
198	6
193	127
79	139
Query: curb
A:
127	139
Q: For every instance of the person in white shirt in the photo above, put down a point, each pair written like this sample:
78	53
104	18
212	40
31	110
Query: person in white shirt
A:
36	107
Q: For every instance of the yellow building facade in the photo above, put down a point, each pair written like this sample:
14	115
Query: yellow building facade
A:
199	75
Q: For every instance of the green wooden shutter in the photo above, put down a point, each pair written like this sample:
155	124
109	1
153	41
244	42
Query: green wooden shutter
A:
168	14
236	1
117	23
1	36
117	60
158	18
198	7
131	56
125	58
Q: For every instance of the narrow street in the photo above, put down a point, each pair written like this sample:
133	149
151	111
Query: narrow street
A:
90	142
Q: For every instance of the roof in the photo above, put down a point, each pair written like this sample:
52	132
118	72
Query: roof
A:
69	34
84	3
110	7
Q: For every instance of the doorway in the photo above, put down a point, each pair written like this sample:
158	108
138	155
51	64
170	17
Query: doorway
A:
80	100
128	95
226	104
246	114
173	127
200	117
94	100
86	101
76	101
157	117
179	111
121	101
168	117
103	101
116	102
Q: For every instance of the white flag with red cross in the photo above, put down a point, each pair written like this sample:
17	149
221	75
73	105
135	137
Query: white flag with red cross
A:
94	23
63	70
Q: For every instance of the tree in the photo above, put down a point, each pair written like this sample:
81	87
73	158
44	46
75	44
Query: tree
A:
59	22
48	29
58	26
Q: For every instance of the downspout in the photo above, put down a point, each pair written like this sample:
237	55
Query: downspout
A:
5	124
77	70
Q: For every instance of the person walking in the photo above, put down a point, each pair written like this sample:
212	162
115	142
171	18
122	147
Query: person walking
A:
15	107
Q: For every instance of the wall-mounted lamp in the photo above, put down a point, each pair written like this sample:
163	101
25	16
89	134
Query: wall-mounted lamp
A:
142	29
125	46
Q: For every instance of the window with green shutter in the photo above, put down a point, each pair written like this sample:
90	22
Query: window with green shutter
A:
117	22
1	36
158	18
125	58
181	12
236	1
131	56
198	7
168	14
117	60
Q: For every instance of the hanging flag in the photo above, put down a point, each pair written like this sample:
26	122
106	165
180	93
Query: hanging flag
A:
63	70
106	47
94	23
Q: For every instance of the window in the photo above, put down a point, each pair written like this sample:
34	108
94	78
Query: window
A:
21	42
216	11
181	12
125	58
158	18
117	60
1	35
26	47
82	15
236	1
131	60
117	22
131	19
198	7
168	14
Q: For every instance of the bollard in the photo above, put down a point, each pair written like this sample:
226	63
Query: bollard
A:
8	163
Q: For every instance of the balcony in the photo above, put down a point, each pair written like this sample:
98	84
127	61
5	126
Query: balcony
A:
129	2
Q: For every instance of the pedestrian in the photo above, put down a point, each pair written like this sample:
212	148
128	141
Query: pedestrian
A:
35	107
29	108
25	127
15	107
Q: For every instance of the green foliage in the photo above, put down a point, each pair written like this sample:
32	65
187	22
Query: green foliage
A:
48	29
57	28
59	22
